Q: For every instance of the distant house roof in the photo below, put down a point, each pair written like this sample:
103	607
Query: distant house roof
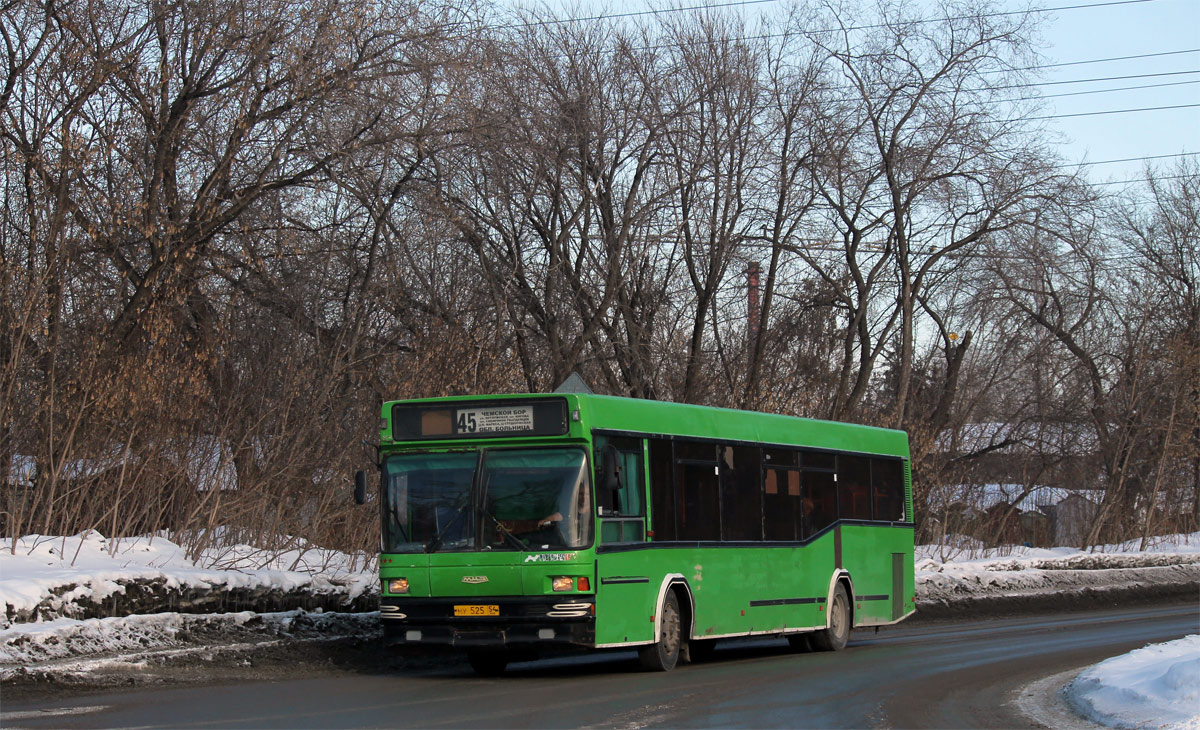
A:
985	496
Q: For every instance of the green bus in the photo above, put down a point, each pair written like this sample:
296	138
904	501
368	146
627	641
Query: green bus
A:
514	525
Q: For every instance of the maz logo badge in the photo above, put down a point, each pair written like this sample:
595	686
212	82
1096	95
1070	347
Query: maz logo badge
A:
474	579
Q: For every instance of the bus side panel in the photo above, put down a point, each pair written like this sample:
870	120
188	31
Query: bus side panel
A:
770	589
867	553
626	593
720	579
737	590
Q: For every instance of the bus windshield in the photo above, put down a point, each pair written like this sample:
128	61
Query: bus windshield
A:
495	499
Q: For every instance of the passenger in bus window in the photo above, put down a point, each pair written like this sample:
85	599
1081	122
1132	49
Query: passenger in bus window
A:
806	516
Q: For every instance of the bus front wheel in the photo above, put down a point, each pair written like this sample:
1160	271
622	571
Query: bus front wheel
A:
835	636
662	655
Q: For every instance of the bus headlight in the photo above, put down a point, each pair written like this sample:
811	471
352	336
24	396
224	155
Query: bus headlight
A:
397	585
570	583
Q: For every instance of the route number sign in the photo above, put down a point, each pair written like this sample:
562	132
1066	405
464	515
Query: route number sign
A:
494	419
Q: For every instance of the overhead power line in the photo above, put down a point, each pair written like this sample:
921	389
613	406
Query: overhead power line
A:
1126	77
739	3
1116	111
1036	84
1106	78
1113	58
1142	180
1147	158
1139	87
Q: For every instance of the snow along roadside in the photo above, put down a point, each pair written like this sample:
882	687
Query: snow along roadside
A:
1153	687
65	647
89	596
89	576
957	591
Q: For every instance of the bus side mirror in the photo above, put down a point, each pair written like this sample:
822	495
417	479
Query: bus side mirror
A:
612	468
360	487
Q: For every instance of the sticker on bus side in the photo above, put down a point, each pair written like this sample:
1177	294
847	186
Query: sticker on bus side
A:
550	557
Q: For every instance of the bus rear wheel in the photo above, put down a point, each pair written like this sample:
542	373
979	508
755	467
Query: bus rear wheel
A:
662	655
835	636
488	663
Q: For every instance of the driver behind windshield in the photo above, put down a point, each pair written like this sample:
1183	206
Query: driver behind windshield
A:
529	494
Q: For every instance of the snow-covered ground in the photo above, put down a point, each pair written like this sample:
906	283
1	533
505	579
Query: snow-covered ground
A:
1157	686
80	599
85	595
90	576
951	578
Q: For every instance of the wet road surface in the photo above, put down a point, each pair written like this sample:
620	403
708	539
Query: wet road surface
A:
919	675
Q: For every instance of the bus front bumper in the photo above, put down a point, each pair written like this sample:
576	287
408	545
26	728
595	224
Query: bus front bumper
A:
518	621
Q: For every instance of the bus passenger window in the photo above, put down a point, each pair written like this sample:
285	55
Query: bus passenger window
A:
817	460
854	481
629	500
699	508
741	494
887	489
820	492
781	504
662	490
781	457
697	491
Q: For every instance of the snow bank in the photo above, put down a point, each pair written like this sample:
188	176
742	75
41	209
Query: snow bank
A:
23	645
64	637
89	576
1157	686
964	550
1017	575
88	595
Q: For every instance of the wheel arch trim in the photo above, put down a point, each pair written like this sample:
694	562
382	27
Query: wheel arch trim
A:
840	575
668	582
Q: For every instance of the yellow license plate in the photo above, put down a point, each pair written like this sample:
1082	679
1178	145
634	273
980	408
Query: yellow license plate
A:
476	610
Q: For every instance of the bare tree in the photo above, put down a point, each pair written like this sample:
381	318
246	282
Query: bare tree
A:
1162	232
555	194
172	164
1127	334
923	159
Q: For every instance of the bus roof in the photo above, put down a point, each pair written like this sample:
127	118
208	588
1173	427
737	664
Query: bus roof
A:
663	418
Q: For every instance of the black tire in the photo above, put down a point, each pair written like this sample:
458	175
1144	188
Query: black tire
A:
700	650
835	636
800	643
662	655
488	663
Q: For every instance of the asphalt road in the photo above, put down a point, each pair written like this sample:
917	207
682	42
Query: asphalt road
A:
947	675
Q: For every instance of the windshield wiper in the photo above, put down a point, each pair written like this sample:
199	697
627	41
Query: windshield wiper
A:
506	533
436	543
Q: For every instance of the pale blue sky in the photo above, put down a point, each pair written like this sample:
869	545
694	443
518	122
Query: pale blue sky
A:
1126	30
1085	34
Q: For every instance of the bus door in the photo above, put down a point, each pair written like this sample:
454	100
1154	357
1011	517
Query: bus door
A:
626	591
622	511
